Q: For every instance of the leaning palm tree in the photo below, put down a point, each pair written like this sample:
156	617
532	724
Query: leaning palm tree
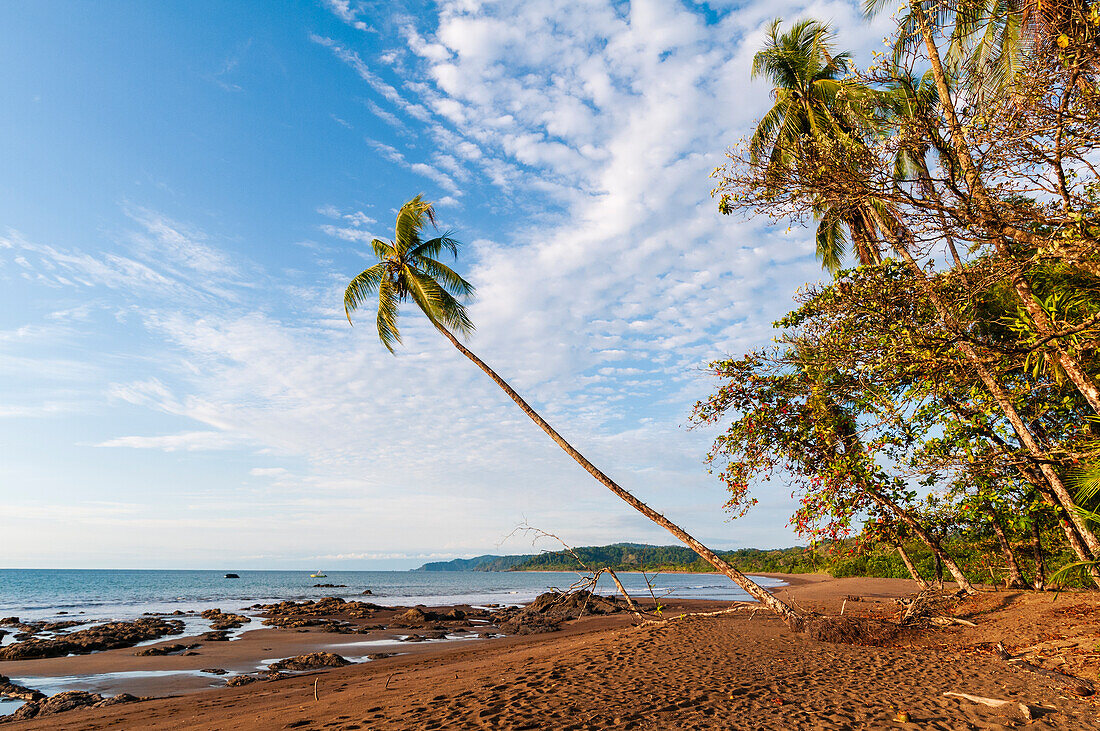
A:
407	268
815	107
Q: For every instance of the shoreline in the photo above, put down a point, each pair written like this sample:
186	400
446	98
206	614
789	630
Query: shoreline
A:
605	672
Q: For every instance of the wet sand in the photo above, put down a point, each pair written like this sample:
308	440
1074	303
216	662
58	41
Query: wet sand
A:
740	670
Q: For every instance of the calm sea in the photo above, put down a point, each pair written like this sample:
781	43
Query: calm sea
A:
123	594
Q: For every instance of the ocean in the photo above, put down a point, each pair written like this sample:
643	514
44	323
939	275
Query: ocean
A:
38	594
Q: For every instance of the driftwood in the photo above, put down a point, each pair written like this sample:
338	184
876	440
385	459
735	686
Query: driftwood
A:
1078	686
591	578
693	615
1025	709
944	621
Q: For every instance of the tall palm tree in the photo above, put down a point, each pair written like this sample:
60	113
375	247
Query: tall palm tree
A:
407	268
990	41
814	105
801	56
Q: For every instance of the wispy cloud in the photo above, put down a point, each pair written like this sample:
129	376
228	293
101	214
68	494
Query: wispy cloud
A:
343	10
591	130
186	442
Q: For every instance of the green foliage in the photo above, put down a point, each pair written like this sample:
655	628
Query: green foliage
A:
408	267
478	563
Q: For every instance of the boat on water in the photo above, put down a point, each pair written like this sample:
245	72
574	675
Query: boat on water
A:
318	575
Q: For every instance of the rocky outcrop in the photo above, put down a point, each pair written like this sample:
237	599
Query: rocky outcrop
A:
241	680
70	700
221	620
549	610
9	689
103	637
27	630
312	661
330	586
415	617
322	607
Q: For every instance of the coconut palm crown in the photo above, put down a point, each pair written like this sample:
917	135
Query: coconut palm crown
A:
814	104
808	88
408	267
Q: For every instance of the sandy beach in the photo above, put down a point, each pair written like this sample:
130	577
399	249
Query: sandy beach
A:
743	669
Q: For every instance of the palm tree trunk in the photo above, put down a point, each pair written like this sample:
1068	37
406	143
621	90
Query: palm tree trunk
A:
792	618
909	565
1044	326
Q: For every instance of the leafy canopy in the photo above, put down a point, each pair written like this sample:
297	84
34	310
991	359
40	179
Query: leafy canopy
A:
408	267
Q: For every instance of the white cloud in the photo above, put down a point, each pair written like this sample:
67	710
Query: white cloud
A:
274	472
594	129
186	442
343	10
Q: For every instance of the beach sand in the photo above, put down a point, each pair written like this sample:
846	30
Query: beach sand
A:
744	670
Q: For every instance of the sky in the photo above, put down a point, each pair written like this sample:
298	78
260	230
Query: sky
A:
187	188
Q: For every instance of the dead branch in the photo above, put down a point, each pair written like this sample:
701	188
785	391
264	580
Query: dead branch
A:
1078	686
588	581
1025	709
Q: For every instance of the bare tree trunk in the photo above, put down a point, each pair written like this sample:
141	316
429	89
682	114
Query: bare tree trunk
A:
909	565
1015	578
926	538
629	601
1042	487
1039	581
1043	324
792	618
1027	439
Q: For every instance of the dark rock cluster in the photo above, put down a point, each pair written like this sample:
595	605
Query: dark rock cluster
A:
9	689
312	661
220	620
549	610
103	637
70	700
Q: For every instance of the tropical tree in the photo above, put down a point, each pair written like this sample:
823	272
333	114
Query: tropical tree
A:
407	269
972	204
815	108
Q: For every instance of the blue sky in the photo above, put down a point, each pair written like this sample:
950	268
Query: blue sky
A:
188	187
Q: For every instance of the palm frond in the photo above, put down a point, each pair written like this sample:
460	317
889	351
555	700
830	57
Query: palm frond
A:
438	304
767	129
432	247
381	249
363	286
411	219
831	242
1087	481
388	302
447	277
